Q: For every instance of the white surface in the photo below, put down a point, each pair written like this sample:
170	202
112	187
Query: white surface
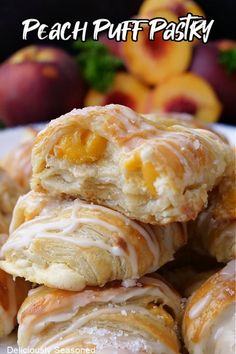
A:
9	138
228	131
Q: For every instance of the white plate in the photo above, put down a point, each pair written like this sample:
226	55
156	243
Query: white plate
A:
9	138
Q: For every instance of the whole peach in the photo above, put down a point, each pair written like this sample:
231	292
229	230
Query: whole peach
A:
207	62
38	83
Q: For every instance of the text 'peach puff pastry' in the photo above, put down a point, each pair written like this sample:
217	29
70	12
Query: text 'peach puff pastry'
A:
9	193
12	294
70	244
210	315
149	171
113	319
214	230
18	162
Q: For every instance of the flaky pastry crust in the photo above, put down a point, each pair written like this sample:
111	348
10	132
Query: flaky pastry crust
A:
12	294
184	119
137	319
209	318
155	172
9	193
214	230
70	244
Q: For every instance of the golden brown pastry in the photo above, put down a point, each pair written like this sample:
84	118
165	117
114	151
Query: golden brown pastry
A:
114	319
12	294
176	118
151	171
214	231
184	119
70	244
210	315
18	162
9	193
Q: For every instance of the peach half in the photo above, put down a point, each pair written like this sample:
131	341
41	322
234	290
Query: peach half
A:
126	90
178	7
154	61
187	93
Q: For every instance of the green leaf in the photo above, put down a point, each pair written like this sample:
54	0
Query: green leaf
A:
97	65
228	59
2	125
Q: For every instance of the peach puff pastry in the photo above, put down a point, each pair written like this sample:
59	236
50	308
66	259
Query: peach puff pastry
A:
114	319
210	315
12	294
9	193
18	162
71	244
150	171
214	230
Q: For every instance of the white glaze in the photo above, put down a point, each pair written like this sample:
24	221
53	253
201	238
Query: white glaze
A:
114	300
199	306
220	338
48	225
149	236
229	271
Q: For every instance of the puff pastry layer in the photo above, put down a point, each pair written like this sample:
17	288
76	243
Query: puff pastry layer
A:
12	294
155	172
9	193
209	319
113	319
70	244
184	119
214	230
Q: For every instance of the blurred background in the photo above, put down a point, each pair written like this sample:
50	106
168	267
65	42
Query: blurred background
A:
175	77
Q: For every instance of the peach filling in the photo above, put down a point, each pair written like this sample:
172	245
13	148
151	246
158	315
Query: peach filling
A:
147	169
81	146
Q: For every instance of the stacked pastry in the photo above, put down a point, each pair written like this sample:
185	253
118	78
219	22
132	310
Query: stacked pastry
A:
12	292
111	193
210	314
214	231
